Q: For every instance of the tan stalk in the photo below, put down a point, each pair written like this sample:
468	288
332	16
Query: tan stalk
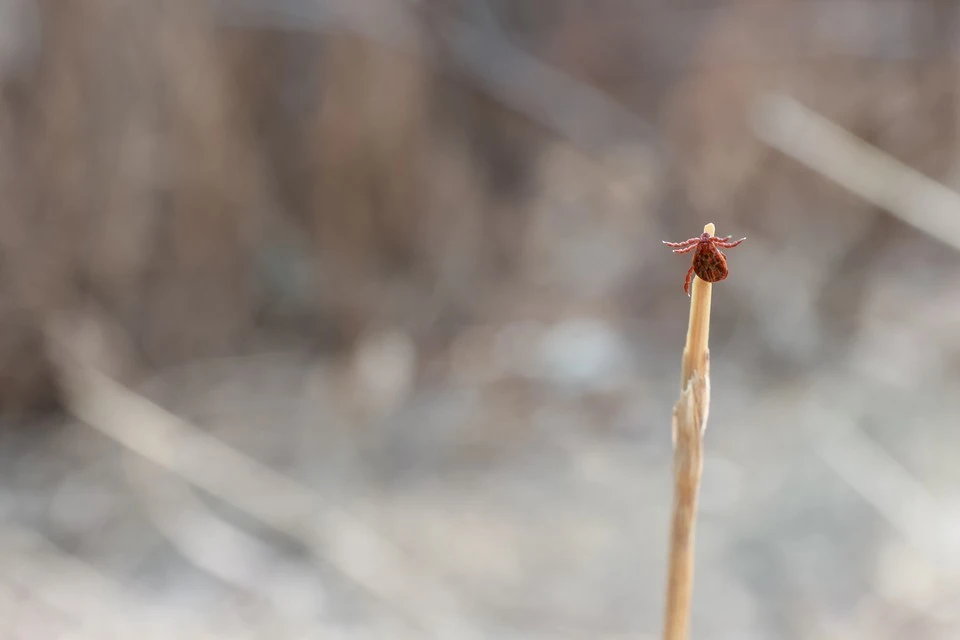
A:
689	421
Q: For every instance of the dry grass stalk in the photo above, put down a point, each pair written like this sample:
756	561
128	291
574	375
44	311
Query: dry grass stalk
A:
360	552
874	175
689	421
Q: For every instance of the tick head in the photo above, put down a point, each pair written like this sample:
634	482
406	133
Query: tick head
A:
705	237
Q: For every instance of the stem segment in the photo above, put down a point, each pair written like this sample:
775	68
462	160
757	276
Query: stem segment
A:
689	421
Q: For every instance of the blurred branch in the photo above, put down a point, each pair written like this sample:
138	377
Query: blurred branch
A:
332	535
786	125
217	547
924	521
584	115
88	599
899	496
87	603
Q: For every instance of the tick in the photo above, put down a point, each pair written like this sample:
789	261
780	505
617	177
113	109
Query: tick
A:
709	263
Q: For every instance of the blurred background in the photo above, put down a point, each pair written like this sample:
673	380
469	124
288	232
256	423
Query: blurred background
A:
350	318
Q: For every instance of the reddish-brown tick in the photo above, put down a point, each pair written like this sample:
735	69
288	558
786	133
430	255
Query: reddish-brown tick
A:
709	263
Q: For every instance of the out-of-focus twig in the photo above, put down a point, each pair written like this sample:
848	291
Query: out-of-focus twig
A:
890	488
578	112
331	534
899	496
583	114
837	154
93	604
19	546
217	547
689	422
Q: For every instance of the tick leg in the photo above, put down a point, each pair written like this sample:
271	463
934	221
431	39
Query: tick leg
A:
686	283
686	249
726	245
685	243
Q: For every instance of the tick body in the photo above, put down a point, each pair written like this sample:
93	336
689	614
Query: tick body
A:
709	263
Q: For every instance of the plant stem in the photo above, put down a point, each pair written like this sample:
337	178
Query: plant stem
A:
689	421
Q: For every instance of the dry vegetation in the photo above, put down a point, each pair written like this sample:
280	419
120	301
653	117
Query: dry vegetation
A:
458	256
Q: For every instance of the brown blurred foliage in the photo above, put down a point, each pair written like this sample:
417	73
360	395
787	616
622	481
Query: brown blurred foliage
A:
205	184
169	169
